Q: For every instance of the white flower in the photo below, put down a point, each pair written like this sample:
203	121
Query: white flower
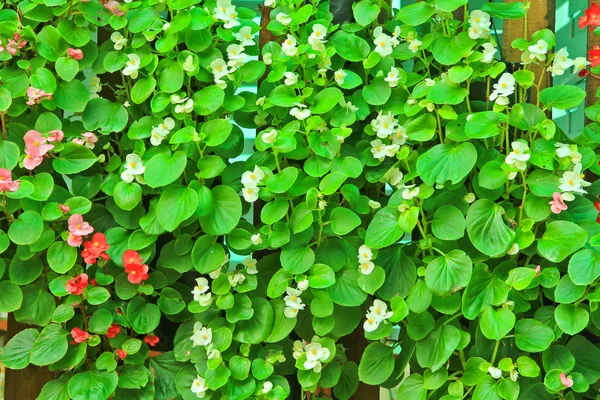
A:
579	64
267	387
201	288
380	151
375	205
518	156
217	272
236	56
429	82
413	45
366	267
236	278
514	249
292	299
211	352
399	135
132	66
496	373
261	101
480	19
514	375
219	68
317	37
572	181
394	176
290	78
256	239
392	77
566	196
289	46
303	285
250	264
253	178
283	18
300	112
298	349
95	84
469	197
202	336
476	32
221	10
270	3
199	387
561	62
231	18
538	50
322	204
410	192
505	86
166	26
379	312
270	136
290	312
364	253
315	355
370	324
119	40
250	194
562	150
244	36
268	58
186	107
511	175
383	45
339	76
133	167
188	64
384	125
161	131
489	51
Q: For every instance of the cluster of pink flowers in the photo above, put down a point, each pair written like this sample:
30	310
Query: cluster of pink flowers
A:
37	146
6	182
78	228
13	45
557	205
88	139
77	54
113	6
36	96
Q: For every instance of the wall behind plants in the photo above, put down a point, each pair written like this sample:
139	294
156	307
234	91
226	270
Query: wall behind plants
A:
404	187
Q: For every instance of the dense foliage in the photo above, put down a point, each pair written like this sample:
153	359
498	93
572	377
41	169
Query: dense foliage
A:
405	183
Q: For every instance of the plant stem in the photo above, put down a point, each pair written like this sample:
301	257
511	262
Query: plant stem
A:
495	353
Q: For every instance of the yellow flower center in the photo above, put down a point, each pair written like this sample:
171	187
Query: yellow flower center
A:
570	182
314	352
581	175
516	151
294	298
377	311
132	165
133	272
200	287
36	143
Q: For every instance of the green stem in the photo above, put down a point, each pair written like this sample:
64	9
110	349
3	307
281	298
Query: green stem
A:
495	353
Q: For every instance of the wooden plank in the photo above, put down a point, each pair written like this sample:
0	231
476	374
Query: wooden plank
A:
24	384
591	83
541	15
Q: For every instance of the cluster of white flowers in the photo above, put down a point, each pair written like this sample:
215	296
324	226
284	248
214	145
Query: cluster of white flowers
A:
393	77
377	314
250	180
316	354
504	88
289	46
339	76
385	44
236	278
480	24
535	52
220	70
160	132
183	105
188	64
250	265
386	126
562	62
202	292
489	51
564	150
134	168
365	255
201	336
245	36
293	302
199	387
132	66
519	155
119	40
381	151
300	111
573	182
227	13
317	37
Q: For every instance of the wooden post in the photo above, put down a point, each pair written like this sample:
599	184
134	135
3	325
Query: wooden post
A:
540	15
24	384
591	83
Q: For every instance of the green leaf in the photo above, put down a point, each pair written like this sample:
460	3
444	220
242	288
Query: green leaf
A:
297	258
93	385
12	297
416	14
484	124
51	45
444	162
163	168
496	323
104	115
376	364
98	295
216	131
584	267
9	154
561	239
257	328
74	158
26	229
128	195
483	290
142	89
283	181
225	213
321	276
448	223
486	228
562	96
446	92
208	100
144	317
504	10
56	389
351	47
435	350
377	92
384	230
16	354
61	257
5	99
66	68
450	50
343	221
449	273
176	204
207	254
326	99
365	12
50	346
571	319
412	388
533	336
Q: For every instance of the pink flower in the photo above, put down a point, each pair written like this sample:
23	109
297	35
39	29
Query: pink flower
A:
74	241
557	204
55	136
537	270
77	285
12	47
78	227
79	335
79	141
565	380
64	209
90	139
75	53
114	7
36	144
6	182
30	162
36	95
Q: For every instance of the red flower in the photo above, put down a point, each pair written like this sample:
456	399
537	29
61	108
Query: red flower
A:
136	273
77	285
113	331
594	56
95	248
591	18
597	205
79	335
132	257
151	340
121	353
93	282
